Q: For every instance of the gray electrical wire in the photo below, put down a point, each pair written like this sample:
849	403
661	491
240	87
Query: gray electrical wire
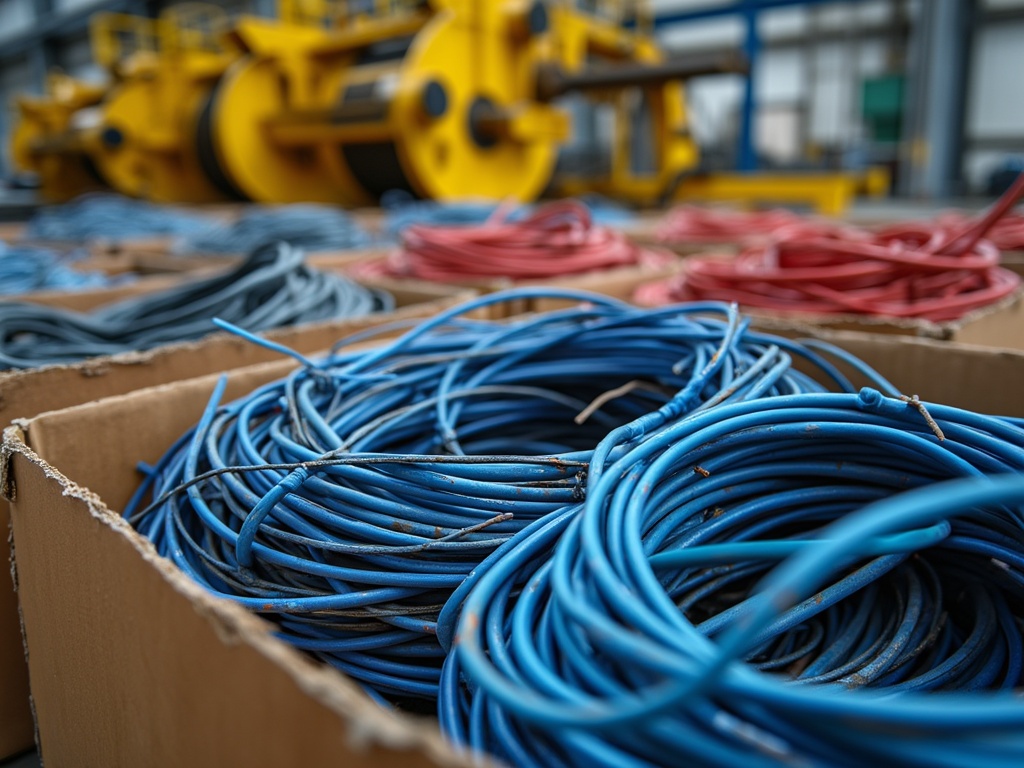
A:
274	287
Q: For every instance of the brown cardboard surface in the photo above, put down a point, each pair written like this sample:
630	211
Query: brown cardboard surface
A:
26	393
132	663
999	325
12	231
616	283
1013	261
962	375
145	262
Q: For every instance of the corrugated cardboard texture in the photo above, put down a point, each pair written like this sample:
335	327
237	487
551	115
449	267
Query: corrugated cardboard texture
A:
616	283
131	662
26	393
998	325
962	375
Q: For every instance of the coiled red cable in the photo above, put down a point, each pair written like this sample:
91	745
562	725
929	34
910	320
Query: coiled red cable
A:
905	271
691	224
1007	234
557	239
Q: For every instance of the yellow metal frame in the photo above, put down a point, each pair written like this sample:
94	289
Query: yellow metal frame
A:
278	136
830	194
43	141
166	69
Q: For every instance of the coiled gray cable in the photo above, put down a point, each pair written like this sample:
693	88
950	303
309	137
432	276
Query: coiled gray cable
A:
274	287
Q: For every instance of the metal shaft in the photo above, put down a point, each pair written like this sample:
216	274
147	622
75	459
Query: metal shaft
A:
552	81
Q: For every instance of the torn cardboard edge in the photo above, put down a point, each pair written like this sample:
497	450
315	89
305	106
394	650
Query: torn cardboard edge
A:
13	744
369	723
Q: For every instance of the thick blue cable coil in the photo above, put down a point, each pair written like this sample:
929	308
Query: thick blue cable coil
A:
348	501
24	269
309	227
105	216
781	582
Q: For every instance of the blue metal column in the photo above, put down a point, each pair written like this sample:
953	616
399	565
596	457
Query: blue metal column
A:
938	80
747	152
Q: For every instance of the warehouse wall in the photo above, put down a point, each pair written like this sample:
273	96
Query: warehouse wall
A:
995	113
814	85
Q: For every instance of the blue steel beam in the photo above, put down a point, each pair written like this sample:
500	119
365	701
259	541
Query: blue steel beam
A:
57	24
731	9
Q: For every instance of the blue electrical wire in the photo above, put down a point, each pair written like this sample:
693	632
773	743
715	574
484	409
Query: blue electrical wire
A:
309	227
751	586
105	216
24	269
351	499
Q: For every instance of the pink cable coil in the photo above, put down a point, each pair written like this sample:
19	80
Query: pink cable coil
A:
690	224
911	270
557	239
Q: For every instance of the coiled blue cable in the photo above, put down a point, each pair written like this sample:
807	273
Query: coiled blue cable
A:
111	217
309	227
751	586
350	500
24	269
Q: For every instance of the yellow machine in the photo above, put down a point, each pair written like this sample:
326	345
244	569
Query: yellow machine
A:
46	139
340	101
147	144
446	99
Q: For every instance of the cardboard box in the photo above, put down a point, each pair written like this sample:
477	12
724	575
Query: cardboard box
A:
645	228
143	667
998	325
26	393
618	283
11	231
1014	261
134	664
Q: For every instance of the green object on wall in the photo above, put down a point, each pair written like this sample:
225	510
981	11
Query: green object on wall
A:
882	107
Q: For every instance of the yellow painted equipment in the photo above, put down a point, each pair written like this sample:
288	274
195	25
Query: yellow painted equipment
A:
340	101
147	143
47	139
446	99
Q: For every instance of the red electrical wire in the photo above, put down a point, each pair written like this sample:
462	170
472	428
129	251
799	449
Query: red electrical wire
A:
557	239
1007	234
690	224
910	271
